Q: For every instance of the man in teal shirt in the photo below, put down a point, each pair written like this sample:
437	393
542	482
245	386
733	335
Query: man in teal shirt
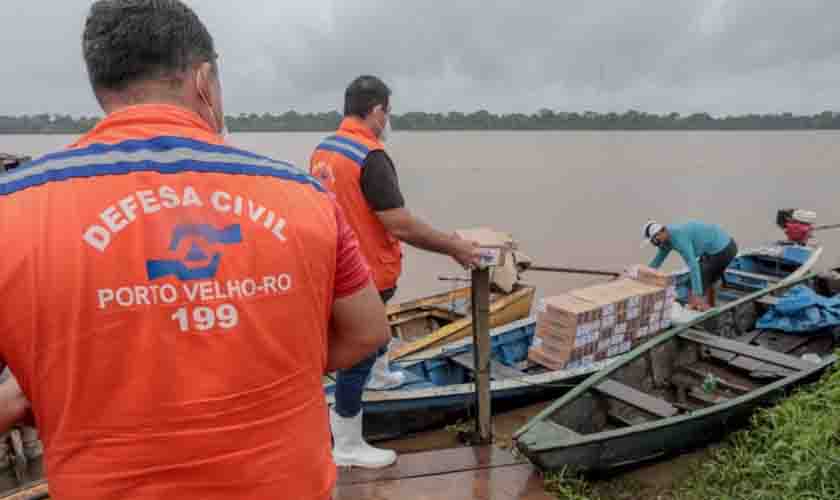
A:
706	249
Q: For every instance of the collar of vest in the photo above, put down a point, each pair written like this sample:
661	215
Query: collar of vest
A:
146	121
355	127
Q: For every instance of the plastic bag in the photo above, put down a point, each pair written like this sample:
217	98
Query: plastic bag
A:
681	315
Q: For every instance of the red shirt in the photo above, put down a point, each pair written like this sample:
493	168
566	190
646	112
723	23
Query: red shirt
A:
166	309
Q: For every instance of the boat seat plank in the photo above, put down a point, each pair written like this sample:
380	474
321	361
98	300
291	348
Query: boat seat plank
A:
498	371
746	338
782	342
754	367
742	349
756	276
636	398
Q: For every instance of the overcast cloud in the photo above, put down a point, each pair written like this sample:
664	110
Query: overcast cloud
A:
719	56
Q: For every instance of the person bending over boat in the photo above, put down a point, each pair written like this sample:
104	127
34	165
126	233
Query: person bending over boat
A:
354	165
706	249
172	303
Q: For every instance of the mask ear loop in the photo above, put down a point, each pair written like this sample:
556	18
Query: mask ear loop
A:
206	101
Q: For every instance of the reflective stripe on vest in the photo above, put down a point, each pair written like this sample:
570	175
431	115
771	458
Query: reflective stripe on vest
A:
350	149
164	155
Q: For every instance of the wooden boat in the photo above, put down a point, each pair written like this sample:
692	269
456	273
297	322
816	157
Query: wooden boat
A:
682	389
440	386
436	320
753	270
758	268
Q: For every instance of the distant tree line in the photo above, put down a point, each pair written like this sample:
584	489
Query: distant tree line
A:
545	119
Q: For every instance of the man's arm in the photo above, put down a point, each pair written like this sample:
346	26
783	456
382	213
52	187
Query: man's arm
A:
690	258
13	404
661	255
408	228
381	189
359	327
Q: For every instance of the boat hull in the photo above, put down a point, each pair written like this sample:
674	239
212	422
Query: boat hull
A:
629	448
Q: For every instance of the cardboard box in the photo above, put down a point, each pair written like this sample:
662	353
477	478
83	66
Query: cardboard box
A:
570	310
538	355
494	245
596	322
653	277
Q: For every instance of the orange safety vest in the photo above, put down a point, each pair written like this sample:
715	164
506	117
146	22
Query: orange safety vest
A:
165	306
338	162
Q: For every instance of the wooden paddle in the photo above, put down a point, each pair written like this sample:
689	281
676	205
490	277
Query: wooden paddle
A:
826	226
573	270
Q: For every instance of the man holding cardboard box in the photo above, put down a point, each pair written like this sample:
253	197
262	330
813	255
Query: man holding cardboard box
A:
706	249
353	165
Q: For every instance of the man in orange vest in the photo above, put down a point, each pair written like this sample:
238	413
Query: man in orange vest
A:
354	165
172	303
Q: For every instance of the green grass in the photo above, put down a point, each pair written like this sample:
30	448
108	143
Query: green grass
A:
567	486
790	451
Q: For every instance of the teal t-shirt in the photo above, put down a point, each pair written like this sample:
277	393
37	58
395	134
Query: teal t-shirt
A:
692	240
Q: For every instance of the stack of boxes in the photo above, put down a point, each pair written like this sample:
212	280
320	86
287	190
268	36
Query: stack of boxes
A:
581	327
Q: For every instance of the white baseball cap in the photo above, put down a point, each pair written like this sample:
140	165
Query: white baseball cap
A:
649	230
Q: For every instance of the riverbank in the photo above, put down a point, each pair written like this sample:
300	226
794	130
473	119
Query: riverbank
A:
790	451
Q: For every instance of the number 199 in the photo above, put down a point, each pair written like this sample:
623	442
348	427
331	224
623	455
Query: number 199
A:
204	318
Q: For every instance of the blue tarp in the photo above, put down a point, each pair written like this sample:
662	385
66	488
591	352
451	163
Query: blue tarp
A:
801	310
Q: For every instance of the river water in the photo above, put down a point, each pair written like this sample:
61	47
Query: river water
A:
580	198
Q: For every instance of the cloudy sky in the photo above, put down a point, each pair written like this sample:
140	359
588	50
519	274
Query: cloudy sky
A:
719	56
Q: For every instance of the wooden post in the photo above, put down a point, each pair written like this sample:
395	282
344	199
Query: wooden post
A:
481	351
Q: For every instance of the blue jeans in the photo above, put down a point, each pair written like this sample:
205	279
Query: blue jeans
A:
350	383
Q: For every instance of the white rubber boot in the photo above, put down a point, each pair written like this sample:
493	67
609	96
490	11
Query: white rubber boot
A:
351	450
381	376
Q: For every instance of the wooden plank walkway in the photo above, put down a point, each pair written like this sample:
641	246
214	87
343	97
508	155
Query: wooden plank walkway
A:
478	473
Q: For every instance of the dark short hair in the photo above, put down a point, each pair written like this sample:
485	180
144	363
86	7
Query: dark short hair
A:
365	93
127	41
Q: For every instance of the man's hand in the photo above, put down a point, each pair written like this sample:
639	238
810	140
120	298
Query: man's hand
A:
698	303
14	406
465	252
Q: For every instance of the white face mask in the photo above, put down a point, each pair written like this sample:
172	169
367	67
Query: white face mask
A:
386	130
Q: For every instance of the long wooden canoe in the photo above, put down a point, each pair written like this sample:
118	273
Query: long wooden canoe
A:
433	321
680	390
